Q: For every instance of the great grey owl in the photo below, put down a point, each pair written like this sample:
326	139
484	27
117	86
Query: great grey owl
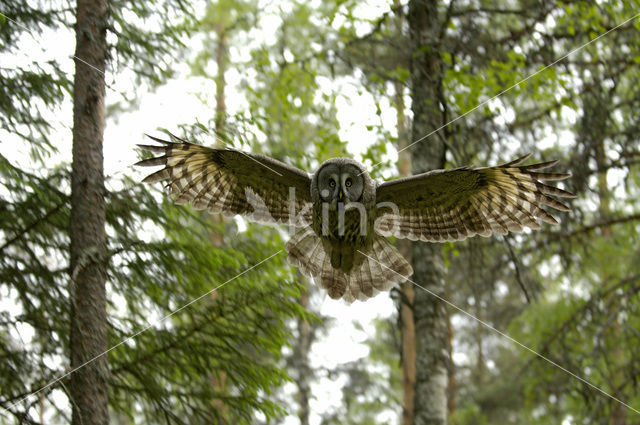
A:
342	216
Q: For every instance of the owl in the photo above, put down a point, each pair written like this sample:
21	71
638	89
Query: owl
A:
340	217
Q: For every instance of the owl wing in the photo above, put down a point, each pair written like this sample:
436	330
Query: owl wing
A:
232	182
451	205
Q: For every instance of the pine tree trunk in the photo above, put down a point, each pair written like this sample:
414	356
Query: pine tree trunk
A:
430	315
88	333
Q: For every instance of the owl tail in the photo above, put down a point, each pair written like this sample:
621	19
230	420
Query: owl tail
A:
375	269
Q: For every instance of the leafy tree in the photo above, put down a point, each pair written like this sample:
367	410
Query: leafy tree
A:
570	292
157	259
484	50
296	118
544	263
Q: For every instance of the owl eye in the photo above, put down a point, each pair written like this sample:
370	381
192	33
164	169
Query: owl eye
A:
347	183
332	183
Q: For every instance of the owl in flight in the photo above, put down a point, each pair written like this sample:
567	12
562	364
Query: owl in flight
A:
342	217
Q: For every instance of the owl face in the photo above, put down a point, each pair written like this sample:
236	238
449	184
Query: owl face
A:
340	182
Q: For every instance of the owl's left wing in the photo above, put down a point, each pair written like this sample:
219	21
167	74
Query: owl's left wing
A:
450	205
232	182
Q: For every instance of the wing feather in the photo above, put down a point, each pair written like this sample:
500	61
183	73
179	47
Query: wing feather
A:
450	205
231	182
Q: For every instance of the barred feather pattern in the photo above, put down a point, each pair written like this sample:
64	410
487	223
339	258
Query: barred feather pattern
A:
232	182
378	268
451	205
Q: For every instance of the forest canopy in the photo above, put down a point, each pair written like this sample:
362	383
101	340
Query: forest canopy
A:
118	306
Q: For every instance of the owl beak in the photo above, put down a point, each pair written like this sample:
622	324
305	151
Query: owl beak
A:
340	195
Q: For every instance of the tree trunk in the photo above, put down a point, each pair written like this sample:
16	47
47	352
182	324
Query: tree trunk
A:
221	63
302	347
220	119
219	378
88	333
430	314
408	348
593	133
597	118
451	382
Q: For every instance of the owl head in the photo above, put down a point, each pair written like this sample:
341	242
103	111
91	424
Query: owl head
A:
342	180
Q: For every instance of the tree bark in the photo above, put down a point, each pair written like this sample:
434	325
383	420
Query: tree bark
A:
220	119
88	333
219	378
221	63
594	130
302	347
407	330
430	314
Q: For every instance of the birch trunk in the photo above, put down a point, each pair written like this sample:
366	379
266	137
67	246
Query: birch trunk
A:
430	315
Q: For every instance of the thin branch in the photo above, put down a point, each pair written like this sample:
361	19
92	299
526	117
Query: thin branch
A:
516	263
489	10
33	225
581	310
591	227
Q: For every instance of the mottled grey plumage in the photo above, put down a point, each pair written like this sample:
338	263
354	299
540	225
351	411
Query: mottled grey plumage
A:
343	193
343	216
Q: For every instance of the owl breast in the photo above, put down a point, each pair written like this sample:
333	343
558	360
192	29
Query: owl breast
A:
343	236
352	229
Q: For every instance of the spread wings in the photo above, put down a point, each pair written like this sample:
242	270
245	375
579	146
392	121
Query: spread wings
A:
232	182
450	205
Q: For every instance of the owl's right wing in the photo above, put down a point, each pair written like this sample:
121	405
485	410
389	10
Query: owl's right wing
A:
450	205
232	182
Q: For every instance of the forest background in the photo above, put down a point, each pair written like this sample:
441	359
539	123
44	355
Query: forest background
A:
204	321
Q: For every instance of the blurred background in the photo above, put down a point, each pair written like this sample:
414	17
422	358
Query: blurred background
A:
303	82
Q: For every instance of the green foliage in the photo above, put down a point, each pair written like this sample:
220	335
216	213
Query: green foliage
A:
220	358
214	360
583	273
148	35
167	371
236	332
283	100
26	89
34	215
222	20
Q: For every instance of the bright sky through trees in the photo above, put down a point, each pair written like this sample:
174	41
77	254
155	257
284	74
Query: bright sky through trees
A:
582	111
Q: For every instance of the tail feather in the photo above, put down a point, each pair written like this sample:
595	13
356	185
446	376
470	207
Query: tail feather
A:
305	251
335	281
375	269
